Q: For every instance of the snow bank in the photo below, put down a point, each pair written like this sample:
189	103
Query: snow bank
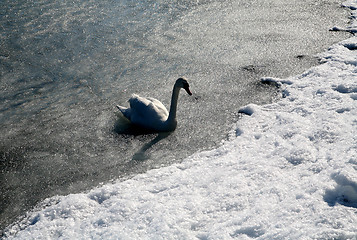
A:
289	171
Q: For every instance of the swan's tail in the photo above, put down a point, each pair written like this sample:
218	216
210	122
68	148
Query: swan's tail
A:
125	111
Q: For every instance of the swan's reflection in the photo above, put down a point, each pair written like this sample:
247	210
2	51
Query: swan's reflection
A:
141	154
123	126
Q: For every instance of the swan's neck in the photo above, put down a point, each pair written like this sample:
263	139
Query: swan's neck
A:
171	120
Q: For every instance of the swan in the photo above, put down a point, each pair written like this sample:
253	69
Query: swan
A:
150	113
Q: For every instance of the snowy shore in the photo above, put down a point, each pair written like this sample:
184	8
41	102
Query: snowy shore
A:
289	171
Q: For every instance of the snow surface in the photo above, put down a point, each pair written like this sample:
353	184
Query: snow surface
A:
289	171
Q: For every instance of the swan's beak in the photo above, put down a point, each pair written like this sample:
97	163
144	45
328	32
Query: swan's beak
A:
188	91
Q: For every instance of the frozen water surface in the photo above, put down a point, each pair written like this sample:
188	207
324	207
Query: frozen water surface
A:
65	65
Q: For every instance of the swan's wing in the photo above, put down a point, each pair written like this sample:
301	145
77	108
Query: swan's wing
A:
138	103
125	111
160	107
147	110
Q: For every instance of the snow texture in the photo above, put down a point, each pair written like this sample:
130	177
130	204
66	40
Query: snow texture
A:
288	171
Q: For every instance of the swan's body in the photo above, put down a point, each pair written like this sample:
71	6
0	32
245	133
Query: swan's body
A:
150	113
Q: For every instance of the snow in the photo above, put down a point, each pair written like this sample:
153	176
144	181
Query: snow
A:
288	171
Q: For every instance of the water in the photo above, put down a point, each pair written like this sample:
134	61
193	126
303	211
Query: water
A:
65	65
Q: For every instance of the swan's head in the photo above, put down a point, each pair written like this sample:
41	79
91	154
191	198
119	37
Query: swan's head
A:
182	83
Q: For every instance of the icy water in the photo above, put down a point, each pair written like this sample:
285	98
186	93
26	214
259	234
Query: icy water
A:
64	66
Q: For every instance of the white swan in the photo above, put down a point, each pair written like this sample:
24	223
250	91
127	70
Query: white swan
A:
150	113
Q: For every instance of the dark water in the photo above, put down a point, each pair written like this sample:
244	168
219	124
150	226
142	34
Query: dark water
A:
64	66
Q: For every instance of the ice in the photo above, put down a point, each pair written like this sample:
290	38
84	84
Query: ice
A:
345	192
248	110
288	172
